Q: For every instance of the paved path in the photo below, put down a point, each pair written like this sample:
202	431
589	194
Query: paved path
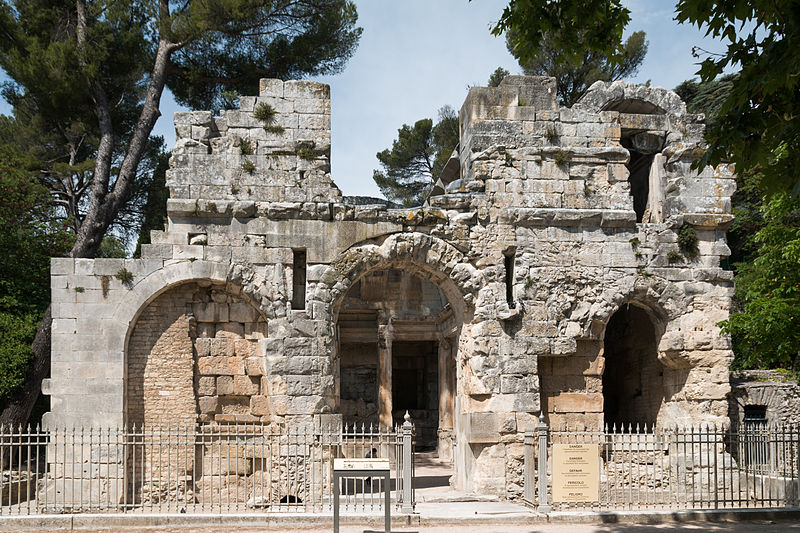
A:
736	527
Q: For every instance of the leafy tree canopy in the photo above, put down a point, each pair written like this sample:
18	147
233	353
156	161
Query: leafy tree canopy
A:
574	27
766	329
757	125
29	236
572	80
416	158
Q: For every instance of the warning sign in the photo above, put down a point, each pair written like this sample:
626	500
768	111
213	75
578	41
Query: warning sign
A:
576	472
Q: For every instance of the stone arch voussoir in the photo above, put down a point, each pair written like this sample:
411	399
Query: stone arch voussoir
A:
150	287
602	96
428	257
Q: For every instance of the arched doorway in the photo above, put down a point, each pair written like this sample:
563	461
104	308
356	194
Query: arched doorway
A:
633	379
192	358
396	338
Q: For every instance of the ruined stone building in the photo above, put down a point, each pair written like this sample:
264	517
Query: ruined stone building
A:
567	261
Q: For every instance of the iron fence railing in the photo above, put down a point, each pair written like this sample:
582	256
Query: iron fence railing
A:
703	467
235	468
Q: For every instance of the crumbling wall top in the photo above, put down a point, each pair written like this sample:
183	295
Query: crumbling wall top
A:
627	97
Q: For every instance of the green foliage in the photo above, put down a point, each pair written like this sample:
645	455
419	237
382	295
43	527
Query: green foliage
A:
766	329
125	277
231	44
112	247
551	134
572	80
573	27
416	158
674	257
154	213
248	166
229	99
635	243
562	157
308	153
265	113
17	331
246	147
497	76
29	235
80	289
687	241
756	126
706	97
274	128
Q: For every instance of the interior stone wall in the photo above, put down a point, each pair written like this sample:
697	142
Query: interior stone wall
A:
193	357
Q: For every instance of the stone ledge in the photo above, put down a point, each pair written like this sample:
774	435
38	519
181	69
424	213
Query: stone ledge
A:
547	216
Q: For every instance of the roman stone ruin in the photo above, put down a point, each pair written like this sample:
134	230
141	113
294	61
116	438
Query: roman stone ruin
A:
567	261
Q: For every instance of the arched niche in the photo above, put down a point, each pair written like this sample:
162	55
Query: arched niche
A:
192	357
633	377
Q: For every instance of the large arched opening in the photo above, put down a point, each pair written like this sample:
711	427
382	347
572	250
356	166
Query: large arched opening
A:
397	334
192	358
633	379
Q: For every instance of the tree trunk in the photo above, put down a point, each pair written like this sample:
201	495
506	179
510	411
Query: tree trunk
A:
19	407
104	205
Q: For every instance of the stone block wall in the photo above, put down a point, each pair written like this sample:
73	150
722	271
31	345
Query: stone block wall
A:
775	391
540	235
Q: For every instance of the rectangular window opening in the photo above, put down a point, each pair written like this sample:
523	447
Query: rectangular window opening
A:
755	414
298	279
509	256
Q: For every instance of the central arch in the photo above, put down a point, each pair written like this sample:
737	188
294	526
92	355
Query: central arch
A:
398	307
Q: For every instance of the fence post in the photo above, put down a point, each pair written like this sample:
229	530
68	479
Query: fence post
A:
529	480
407	507
541	431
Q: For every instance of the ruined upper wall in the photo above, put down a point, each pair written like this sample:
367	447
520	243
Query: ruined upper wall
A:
540	164
237	165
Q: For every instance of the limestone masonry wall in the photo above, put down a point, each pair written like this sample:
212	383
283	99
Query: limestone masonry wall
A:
545	226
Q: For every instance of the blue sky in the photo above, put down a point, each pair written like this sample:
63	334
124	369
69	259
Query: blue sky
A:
418	55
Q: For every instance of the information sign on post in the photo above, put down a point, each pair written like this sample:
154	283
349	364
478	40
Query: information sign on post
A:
344	468
576	473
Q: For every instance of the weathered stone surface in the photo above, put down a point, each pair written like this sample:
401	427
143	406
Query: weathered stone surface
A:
541	276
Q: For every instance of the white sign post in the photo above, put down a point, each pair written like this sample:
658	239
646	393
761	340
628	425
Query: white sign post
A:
344	468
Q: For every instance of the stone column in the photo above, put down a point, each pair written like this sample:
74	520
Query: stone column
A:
385	334
447	386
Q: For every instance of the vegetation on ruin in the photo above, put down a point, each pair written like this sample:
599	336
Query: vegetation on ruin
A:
687	241
416	158
246	147
86	97
248	166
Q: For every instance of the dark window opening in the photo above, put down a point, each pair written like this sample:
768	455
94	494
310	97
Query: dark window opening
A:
298	279
639	178
633	386
755	414
509	264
